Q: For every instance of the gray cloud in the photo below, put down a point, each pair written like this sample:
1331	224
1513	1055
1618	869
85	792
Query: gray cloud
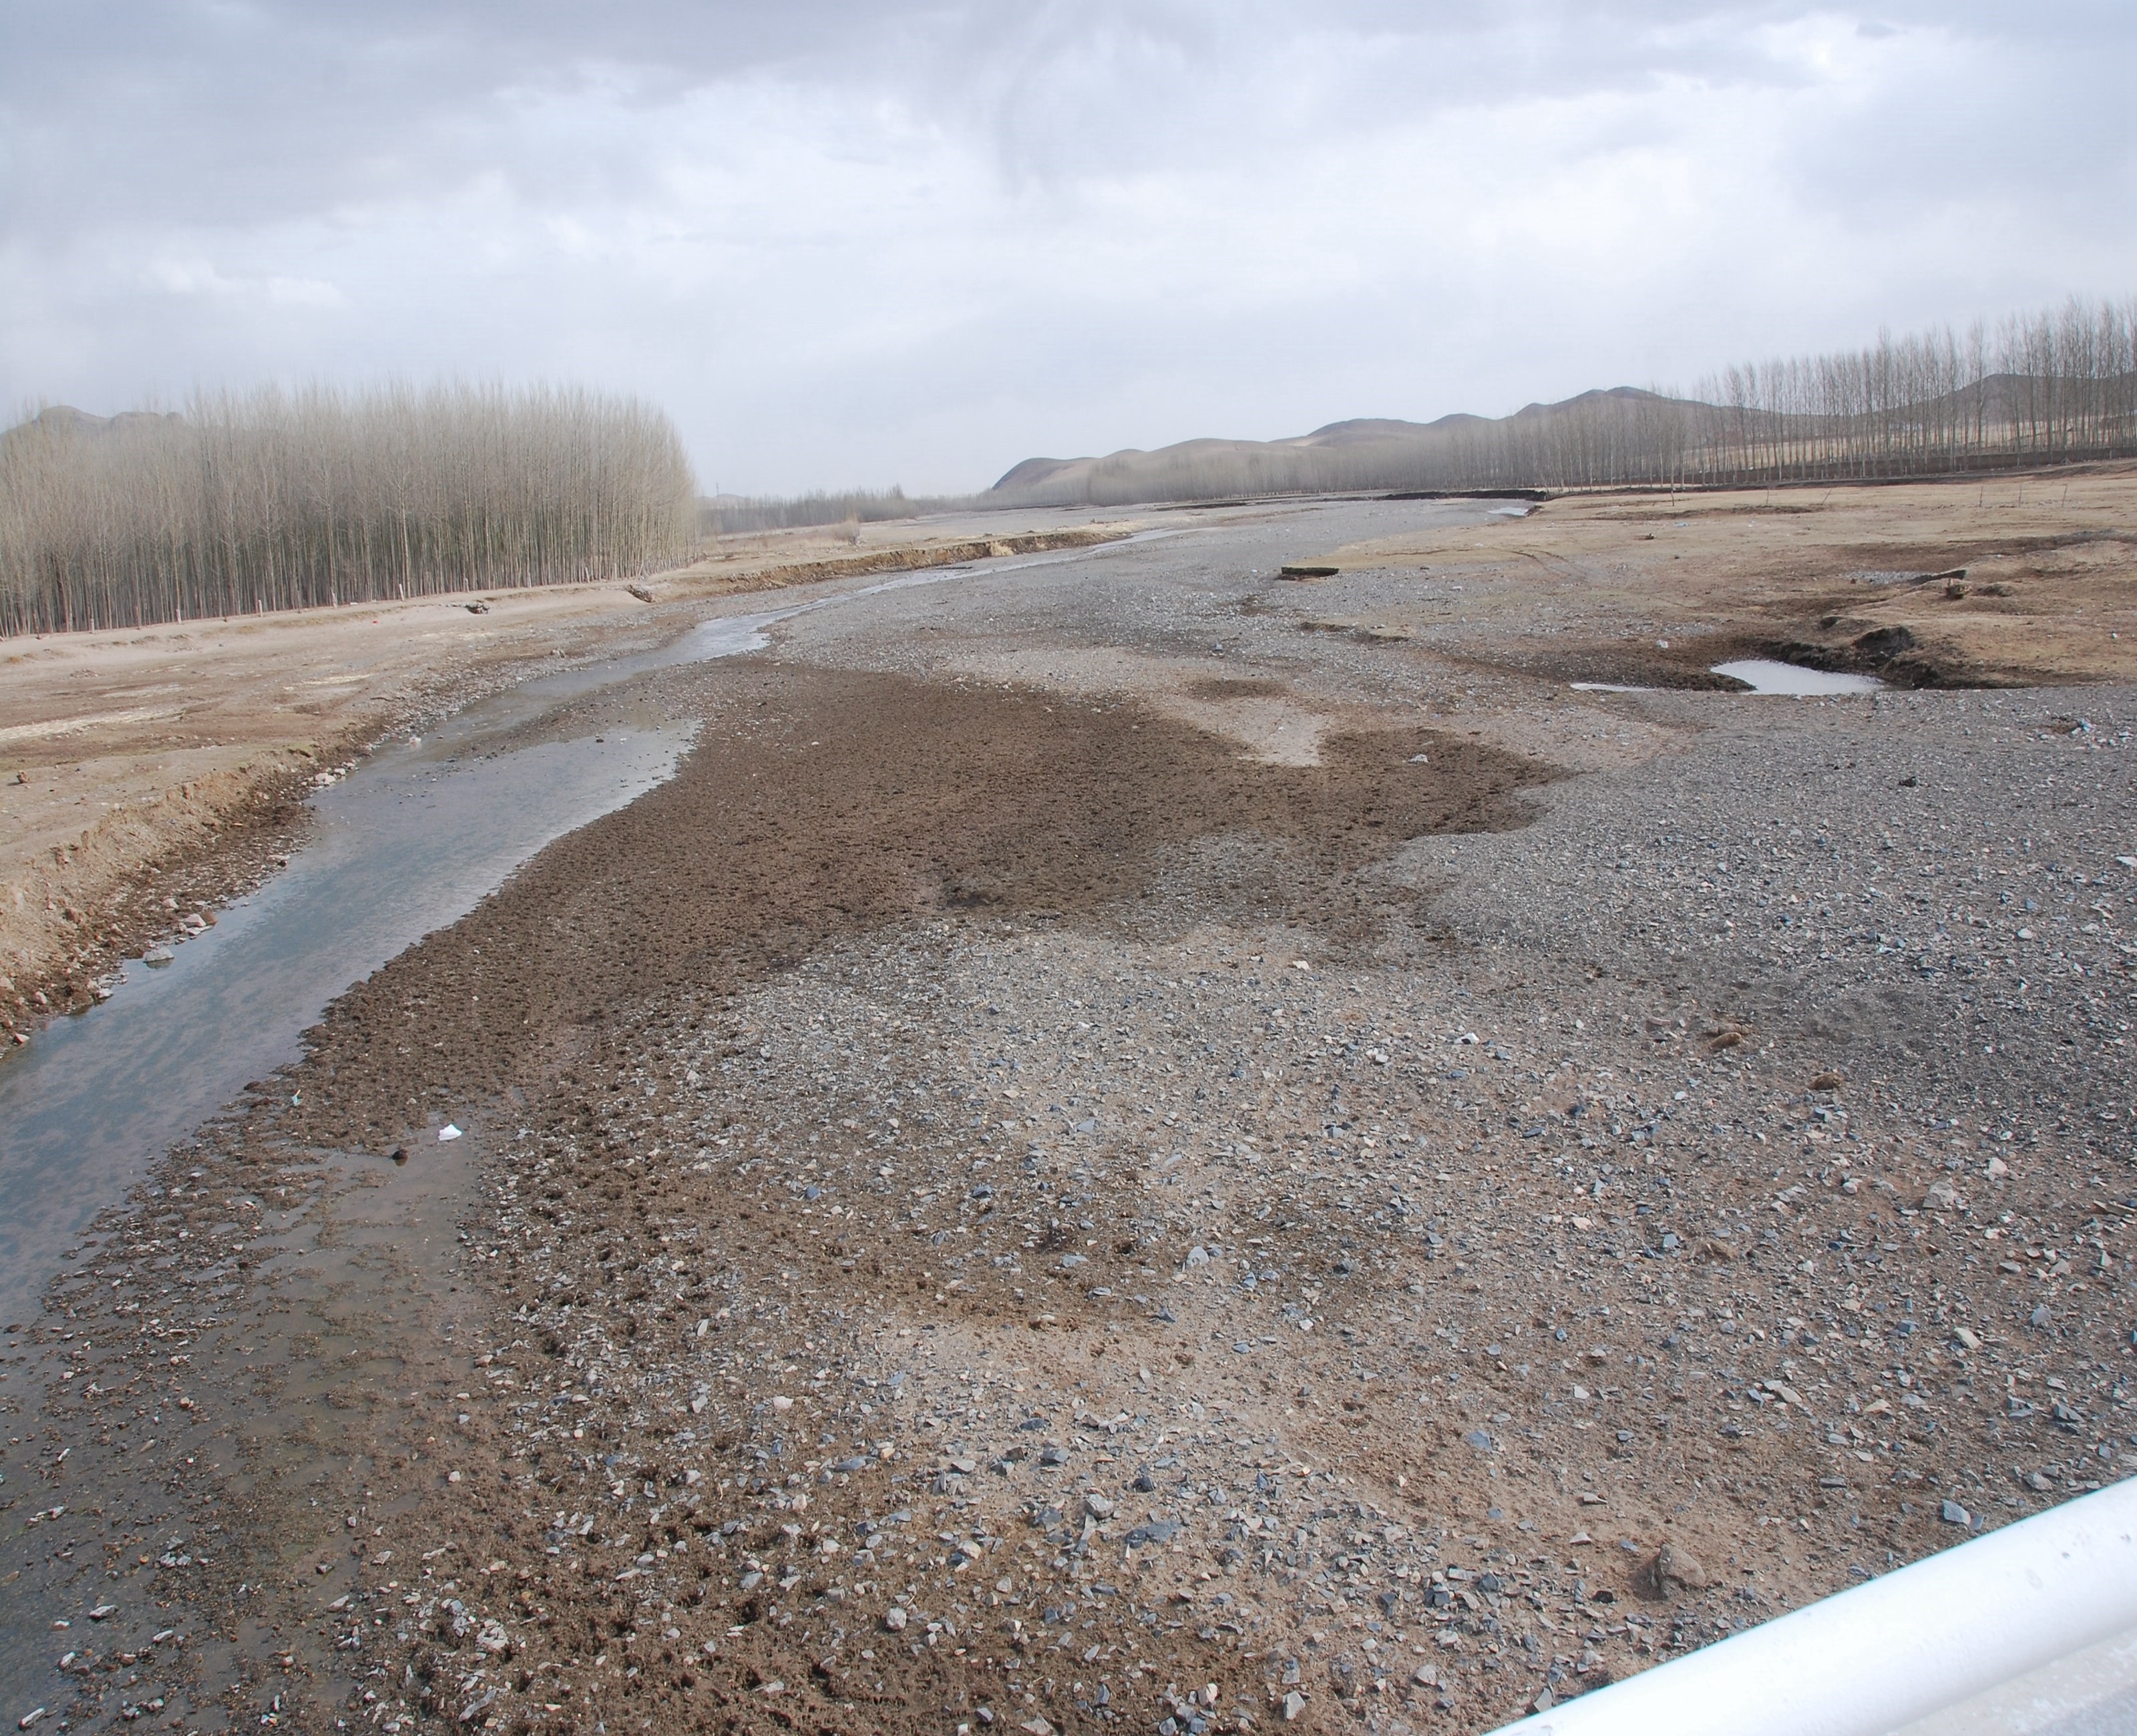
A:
916	242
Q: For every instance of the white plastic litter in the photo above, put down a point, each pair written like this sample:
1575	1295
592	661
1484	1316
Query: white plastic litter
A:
449	1132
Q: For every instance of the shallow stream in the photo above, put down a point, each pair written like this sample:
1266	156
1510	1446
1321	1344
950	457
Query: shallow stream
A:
410	841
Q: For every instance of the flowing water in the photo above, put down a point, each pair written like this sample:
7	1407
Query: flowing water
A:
408	845
412	840
408	842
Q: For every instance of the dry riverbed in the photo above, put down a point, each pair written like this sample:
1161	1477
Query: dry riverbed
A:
1103	1154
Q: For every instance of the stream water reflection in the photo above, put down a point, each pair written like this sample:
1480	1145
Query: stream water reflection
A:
408	844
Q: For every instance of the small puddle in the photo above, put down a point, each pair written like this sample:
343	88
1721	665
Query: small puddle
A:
1763	675
1606	686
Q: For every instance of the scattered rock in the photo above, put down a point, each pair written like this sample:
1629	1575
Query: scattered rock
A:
1672	1571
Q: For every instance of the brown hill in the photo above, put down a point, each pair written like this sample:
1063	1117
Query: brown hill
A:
1367	452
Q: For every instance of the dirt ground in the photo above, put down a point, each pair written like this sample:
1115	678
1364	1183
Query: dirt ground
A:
1146	1143
2013	582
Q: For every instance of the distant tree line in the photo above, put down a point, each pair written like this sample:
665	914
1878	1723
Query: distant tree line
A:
2047	388
245	502
727	515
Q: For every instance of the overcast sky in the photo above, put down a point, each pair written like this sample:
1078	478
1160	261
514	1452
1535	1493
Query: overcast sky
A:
848	243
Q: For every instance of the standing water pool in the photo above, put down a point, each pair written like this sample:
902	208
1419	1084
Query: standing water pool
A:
1763	675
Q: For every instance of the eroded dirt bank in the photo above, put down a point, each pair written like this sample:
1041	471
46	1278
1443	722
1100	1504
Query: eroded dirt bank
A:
988	1201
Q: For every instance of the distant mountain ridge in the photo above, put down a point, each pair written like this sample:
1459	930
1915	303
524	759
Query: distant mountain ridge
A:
64	419
1360	452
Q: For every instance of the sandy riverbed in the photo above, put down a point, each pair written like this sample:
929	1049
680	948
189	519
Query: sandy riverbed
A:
1138	1139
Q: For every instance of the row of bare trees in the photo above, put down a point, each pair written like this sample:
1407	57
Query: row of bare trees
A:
269	500
2046	388
727	515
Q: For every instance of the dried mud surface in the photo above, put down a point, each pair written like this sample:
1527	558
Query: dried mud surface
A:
1096	1159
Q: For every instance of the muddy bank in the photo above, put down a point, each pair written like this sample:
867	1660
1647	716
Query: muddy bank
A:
819	802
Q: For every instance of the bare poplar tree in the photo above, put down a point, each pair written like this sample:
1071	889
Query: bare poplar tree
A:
263	500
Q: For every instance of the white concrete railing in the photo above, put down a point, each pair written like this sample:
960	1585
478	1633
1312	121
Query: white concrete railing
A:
1871	1660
